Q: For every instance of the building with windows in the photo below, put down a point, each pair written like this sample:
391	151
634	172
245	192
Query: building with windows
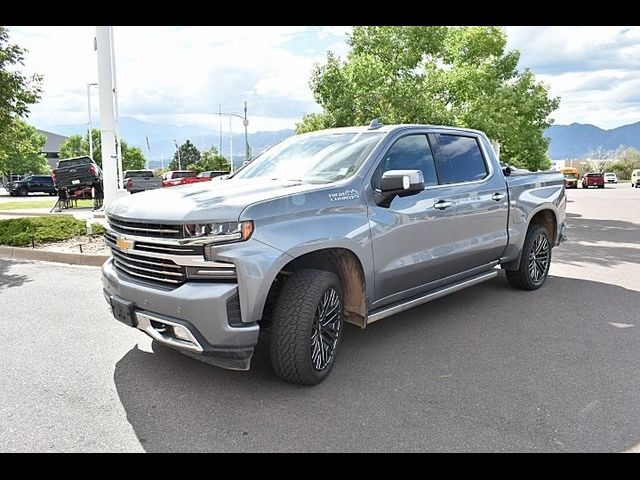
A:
52	147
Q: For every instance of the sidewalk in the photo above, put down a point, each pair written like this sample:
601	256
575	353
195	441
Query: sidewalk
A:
80	213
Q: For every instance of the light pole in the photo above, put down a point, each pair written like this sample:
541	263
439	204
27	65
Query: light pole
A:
245	122
89	85
178	150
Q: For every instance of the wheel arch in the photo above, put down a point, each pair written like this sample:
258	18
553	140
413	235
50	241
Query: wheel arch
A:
341	261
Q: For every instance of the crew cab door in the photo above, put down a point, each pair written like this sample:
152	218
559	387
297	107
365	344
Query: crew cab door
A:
478	190
411	239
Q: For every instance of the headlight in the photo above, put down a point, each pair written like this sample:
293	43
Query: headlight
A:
220	232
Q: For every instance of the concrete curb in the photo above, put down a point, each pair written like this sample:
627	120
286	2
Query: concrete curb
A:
26	213
49	256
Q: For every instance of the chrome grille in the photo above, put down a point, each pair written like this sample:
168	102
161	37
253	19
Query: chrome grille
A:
157	269
162	262
142	229
149	246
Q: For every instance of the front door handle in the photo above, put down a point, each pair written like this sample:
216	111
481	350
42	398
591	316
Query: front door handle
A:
497	196
442	204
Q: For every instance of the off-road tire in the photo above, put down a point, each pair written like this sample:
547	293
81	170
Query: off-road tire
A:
293	322
521	278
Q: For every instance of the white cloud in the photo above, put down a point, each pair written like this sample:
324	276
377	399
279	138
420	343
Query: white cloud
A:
181	74
176	73
595	70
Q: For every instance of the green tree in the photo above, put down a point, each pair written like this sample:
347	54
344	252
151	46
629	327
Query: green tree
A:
189	154
210	160
17	91
78	146
460	76
23	154
626	160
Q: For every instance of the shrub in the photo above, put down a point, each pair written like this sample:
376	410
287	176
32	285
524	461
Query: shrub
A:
21	231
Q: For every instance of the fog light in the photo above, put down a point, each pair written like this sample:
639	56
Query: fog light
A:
182	333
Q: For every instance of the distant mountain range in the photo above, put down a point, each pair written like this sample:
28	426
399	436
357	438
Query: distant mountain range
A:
580	140
161	138
567	141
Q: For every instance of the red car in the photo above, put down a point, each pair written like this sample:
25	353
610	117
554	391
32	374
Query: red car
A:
593	180
182	177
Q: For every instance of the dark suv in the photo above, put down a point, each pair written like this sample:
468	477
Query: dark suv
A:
32	184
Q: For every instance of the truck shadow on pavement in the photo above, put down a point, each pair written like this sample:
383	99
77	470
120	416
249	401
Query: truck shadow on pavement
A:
599	242
8	280
488	369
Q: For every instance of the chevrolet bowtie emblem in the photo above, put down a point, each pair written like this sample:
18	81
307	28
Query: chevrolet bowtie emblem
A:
124	244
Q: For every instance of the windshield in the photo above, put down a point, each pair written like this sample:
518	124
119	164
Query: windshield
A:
313	158
571	176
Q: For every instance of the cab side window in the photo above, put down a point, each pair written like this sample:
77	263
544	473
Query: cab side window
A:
408	153
459	159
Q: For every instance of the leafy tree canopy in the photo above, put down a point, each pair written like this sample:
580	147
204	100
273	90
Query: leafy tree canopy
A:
210	160
23	153
189	154
460	76
17	91
78	146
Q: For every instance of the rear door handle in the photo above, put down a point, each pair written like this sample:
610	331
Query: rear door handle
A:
497	196
442	204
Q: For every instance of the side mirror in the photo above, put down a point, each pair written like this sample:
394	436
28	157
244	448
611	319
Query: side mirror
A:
506	170
401	183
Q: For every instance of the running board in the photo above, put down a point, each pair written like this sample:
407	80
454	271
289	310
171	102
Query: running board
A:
433	295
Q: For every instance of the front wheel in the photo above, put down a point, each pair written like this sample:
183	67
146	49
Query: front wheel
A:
307	326
23	192
534	261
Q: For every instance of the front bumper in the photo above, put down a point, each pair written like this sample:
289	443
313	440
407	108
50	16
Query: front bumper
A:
201	308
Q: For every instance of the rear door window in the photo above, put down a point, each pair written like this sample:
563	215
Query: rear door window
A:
459	159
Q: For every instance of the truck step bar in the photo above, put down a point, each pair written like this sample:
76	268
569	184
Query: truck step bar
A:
385	312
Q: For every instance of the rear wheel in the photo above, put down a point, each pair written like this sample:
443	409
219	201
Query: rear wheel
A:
307	326
534	262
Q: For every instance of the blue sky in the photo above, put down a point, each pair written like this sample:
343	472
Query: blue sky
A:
178	75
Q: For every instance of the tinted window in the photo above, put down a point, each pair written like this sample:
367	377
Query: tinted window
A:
45	179
74	162
138	174
459	159
409	153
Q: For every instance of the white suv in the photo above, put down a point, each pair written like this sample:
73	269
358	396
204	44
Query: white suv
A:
610	178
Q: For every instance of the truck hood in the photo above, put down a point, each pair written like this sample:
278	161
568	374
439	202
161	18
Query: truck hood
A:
217	200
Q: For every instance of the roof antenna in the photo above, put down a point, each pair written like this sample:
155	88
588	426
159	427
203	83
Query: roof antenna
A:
375	124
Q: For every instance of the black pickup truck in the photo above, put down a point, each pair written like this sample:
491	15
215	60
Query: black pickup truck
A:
75	173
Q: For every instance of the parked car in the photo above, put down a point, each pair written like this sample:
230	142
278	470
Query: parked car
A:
593	180
76	173
610	178
212	174
343	225
635	178
140	180
32	184
181	177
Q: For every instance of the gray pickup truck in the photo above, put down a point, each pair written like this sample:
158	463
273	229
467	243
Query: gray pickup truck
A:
344	225
140	180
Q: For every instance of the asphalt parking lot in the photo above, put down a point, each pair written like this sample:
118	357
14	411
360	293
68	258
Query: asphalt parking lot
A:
486	369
